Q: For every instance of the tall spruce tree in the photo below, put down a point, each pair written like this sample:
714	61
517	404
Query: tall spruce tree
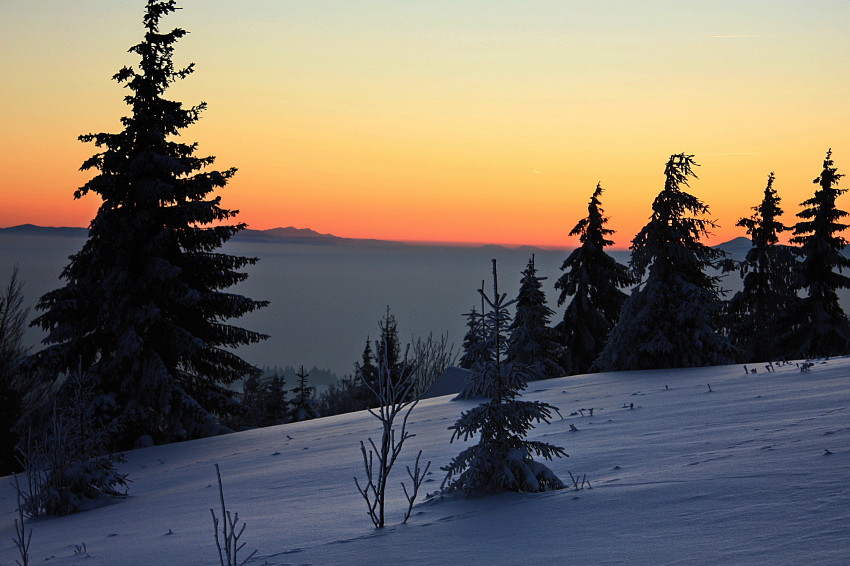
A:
758	317
503	459
531	341
595	281
144	309
670	319
821	327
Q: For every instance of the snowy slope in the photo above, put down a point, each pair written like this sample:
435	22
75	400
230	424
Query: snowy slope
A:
738	475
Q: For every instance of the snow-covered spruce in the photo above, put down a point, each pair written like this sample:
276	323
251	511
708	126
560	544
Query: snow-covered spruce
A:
502	460
595	281
144	307
671	320
758	318
531	341
474	341
821	327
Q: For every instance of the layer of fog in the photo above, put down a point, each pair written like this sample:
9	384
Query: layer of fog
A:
326	297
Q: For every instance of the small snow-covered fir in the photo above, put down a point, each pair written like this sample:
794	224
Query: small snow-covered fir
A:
502	459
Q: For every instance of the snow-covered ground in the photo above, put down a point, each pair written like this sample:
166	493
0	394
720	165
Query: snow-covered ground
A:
736	475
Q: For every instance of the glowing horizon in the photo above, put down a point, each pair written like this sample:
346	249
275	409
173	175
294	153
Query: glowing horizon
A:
475	122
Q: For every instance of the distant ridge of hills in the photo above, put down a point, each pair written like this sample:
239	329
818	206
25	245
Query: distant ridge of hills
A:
33	230
273	235
280	235
294	235
737	247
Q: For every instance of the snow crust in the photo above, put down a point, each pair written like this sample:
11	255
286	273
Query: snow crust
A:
738	474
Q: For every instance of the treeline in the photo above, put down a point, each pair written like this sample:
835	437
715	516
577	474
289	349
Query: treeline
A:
421	359
676	313
265	400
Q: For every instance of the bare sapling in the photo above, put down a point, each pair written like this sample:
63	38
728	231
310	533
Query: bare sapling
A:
23	538
584	481
432	357
394	395
417	476
230	535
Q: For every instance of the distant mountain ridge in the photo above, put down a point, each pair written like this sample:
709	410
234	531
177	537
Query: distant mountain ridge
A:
736	247
280	235
289	234
33	230
293	235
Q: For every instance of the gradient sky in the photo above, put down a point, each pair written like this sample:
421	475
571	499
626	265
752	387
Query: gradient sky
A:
468	120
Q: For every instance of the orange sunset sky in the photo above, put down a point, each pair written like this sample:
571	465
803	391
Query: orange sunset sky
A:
484	121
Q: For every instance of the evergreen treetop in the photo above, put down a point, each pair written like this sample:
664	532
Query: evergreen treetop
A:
759	316
365	370
531	340
144	307
595	281
671	319
822	324
764	226
473	340
671	238
388	350
388	347
304	405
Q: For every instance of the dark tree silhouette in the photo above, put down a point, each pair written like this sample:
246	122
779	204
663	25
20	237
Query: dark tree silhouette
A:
303	405
274	406
531	341
503	459
344	396
388	349
670	319
821	326
13	316
595	281
366	371
144	306
474	341
759	316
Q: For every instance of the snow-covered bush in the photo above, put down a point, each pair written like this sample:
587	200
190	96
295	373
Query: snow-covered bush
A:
66	463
